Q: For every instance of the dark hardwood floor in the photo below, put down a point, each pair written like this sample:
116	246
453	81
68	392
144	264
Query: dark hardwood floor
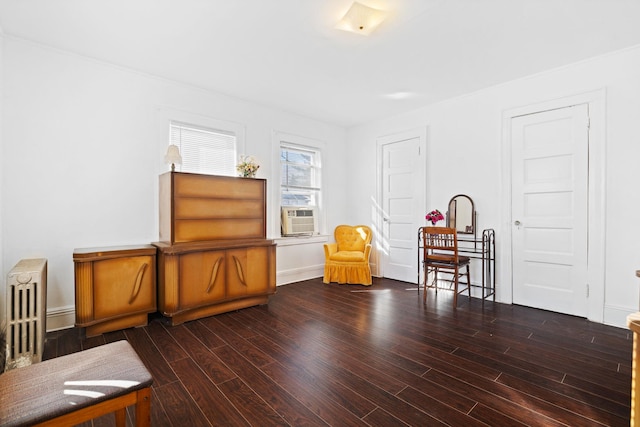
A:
346	355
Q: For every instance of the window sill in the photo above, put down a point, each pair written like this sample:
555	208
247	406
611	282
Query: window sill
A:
301	240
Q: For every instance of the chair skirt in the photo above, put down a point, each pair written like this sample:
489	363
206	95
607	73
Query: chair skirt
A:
347	273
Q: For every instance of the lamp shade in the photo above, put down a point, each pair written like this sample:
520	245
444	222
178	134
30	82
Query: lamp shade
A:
173	156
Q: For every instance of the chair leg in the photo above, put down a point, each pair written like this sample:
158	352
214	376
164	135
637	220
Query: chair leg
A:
424	286
435	280
468	282
425	283
121	417
143	408
455	288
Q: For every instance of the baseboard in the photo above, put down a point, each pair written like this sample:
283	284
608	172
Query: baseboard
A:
617	316
284	277
61	318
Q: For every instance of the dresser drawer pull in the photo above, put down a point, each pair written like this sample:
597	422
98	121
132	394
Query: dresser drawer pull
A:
214	274
138	283
239	270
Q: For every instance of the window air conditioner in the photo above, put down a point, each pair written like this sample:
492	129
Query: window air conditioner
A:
298	221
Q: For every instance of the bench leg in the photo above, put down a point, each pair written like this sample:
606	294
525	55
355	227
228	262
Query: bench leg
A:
121	417
143	408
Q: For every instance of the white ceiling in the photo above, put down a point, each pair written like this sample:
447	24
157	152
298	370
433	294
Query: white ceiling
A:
286	54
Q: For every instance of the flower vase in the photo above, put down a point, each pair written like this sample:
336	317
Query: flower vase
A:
434	216
247	167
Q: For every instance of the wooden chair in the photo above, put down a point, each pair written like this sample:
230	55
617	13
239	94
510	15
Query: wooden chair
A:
440	246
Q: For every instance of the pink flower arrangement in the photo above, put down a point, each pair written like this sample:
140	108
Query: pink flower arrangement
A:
434	216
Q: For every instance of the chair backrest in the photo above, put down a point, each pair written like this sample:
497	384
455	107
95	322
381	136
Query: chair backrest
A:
352	237
440	243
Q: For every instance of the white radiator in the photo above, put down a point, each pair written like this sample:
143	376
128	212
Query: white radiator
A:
26	312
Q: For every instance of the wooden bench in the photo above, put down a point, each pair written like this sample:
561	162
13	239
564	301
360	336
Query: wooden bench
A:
69	390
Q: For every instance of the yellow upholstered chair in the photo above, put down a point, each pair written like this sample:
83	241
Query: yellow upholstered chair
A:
347	260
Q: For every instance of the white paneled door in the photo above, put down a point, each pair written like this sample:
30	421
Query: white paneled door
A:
549	209
403	183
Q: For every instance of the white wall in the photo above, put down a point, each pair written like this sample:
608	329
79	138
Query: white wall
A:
82	151
464	156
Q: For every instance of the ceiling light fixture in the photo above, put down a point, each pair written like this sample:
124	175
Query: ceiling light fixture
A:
361	19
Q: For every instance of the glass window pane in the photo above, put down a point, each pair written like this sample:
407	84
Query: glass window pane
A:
297	199
297	175
293	156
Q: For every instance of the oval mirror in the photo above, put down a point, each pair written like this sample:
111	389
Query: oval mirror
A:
461	214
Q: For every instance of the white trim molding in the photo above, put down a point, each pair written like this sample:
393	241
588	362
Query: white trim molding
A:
61	318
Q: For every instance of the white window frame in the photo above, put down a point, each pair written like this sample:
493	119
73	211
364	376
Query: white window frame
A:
304	143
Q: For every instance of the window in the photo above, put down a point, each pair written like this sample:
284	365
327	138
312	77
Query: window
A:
299	175
204	150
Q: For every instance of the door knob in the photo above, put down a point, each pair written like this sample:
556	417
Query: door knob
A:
517	223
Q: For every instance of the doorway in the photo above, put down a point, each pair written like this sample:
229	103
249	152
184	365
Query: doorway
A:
555	263
402	183
549	177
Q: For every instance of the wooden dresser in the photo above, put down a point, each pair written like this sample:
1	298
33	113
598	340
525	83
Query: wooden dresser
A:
213	255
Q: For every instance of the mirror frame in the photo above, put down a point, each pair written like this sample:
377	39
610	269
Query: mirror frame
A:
451	219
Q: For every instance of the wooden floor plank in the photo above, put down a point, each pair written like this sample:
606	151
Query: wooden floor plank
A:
324	379
180	407
254	409
607	410
348	355
151	356
201	355
276	395
306	389
213	403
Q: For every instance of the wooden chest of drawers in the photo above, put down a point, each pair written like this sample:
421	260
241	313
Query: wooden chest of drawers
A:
213	255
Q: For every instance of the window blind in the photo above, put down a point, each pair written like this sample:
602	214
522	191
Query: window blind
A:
207	151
